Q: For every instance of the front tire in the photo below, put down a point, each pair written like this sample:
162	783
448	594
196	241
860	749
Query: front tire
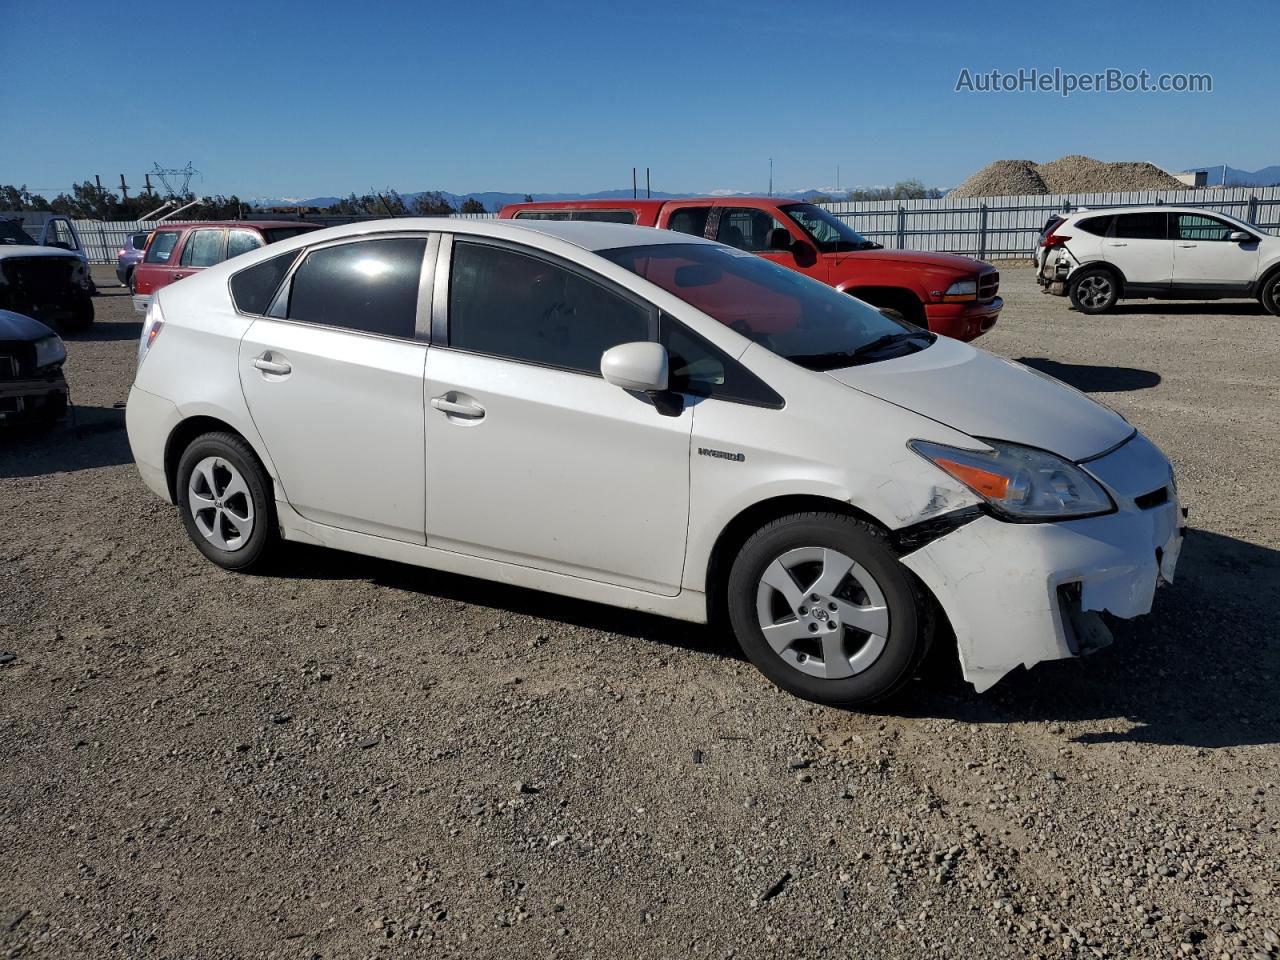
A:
822	606
225	499
1094	290
1270	295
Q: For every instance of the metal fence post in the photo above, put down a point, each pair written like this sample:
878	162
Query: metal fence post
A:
902	227
106	258
982	232
1253	210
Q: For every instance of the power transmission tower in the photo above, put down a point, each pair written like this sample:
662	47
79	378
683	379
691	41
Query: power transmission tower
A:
186	173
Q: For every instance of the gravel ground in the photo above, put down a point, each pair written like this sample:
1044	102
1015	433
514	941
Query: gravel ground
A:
351	758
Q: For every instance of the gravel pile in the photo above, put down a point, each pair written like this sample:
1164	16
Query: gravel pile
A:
348	758
1073	174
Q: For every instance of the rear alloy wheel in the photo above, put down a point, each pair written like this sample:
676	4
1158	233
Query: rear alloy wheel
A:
1094	291
820	603
223	494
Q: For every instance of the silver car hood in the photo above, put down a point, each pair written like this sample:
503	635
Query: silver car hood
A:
984	395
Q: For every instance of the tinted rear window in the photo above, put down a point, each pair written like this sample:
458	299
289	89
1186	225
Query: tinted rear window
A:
370	285
253	290
542	215
162	245
1098	226
138	240
1142	226
691	220
276	234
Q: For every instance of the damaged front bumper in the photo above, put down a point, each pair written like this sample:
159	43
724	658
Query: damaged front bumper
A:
1020	593
46	395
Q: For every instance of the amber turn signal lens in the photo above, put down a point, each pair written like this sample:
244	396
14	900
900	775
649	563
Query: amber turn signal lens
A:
993	485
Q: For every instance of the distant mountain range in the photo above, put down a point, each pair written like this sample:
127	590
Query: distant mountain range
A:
494	200
1266	177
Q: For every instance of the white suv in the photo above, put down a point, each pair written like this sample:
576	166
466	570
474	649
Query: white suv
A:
1098	257
652	421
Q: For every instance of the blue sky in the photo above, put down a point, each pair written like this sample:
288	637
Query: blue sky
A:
300	99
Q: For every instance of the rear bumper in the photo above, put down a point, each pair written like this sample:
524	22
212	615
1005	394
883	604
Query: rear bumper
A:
149	420
141	301
1017	594
963	321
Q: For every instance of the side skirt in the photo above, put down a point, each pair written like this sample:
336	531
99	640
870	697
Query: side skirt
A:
688	605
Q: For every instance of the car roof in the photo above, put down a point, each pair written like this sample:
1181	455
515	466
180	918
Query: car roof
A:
260	224
1153	208
646	203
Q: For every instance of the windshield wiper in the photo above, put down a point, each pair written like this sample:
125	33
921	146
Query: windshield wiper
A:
848	358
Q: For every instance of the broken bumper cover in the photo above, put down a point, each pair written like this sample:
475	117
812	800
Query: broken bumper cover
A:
20	398
1020	593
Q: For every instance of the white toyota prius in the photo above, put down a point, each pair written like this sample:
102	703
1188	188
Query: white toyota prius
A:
657	422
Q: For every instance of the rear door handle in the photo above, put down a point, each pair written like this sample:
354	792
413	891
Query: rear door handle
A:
1188	246
1114	244
267	365
449	403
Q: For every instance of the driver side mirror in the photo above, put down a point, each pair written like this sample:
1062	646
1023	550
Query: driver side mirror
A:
639	366
779	239
1239	236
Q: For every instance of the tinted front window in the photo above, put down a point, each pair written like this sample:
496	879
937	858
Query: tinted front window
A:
691	220
786	312
512	305
1195	227
746	228
1142	226
139	240
254	289
829	232
276	234
700	369
162	245
241	241
203	248
370	285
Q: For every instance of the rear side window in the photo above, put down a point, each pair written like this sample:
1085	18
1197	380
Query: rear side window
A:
1098	226
138	240
606	216
509	304
370	285
204	248
691	220
1142	226
253	289
276	234
746	229
700	369
241	241
162	245
542	215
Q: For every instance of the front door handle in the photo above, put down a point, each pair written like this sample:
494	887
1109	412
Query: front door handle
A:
1187	246
1114	244
267	365
449	403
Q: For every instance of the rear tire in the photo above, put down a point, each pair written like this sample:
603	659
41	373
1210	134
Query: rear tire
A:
1094	290
131	283
224	496
847	623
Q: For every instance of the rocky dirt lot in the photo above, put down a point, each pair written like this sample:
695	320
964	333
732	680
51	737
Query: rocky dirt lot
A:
350	758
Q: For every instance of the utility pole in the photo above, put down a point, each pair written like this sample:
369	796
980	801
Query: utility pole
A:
647	192
634	190
124	189
771	176
150	192
98	180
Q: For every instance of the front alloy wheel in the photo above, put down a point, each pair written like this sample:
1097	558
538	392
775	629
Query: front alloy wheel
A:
822	606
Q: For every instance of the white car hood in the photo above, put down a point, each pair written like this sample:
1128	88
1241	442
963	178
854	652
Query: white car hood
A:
987	396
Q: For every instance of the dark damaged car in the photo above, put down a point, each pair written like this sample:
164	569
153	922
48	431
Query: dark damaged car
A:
32	387
48	284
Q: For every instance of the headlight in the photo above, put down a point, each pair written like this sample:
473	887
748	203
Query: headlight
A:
961	290
1021	483
49	351
151	328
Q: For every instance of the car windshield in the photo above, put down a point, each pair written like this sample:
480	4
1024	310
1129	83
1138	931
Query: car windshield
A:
795	316
11	233
830	233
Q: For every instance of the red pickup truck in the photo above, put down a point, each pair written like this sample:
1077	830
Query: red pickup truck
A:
949	294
